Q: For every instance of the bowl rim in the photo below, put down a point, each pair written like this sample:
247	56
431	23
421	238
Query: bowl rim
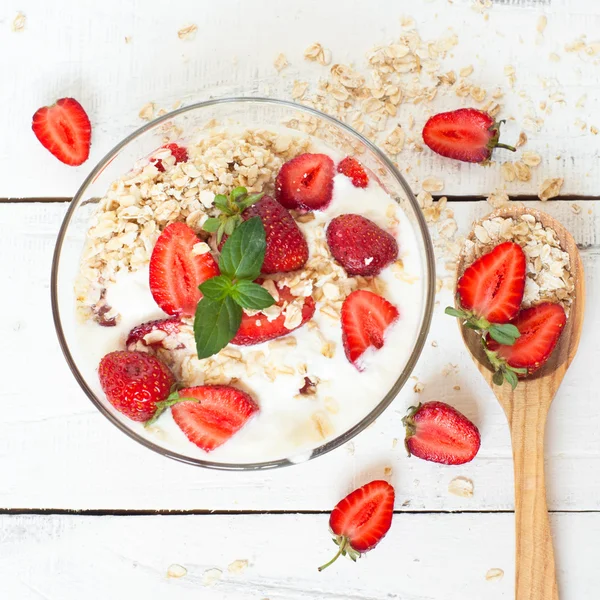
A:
329	445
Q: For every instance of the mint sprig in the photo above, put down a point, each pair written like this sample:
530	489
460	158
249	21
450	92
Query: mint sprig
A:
219	312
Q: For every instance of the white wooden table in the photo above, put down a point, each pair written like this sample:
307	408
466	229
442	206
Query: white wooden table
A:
87	513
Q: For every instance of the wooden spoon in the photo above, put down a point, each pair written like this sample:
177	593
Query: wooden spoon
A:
526	409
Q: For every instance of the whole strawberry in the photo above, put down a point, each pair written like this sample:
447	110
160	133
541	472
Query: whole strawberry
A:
466	134
360	246
437	432
134	382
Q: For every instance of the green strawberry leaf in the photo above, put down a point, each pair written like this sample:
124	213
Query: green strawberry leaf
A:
243	253
511	378
455	312
172	399
504	334
215	324
216	288
211	225
251	295
498	378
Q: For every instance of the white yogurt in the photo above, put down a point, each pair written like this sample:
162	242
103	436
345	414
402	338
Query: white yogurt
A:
285	425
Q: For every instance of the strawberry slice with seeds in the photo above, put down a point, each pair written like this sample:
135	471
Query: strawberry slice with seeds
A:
360	246
306	182
139	332
365	319
176	270
438	433
361	519
466	134
65	130
178	152
351	168
213	416
540	327
257	329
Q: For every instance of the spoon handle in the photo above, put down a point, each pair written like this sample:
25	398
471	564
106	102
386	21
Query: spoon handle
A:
535	568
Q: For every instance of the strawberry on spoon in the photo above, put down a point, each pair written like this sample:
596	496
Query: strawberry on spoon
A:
361	520
490	292
65	130
466	134
439	433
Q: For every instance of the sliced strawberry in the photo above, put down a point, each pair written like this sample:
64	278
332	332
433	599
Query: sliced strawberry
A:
361	519
365	318
64	129
179	153
360	246
137	334
438	433
306	182
351	168
257	329
465	134
219	413
492	287
540	327
176	273
287	249
134	382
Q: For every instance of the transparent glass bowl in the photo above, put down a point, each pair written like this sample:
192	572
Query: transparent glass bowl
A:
185	124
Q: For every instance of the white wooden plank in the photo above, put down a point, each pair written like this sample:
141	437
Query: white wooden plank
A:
423	557
79	49
57	451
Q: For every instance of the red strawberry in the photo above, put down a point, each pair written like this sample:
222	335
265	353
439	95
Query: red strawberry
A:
365	317
64	129
306	182
175	273
134	382
439	433
137	334
540	327
351	168
258	329
360	246
361	519
490	291
218	412
465	134
179	152
287	249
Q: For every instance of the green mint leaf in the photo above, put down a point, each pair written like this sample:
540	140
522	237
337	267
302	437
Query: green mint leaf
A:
511	378
243	253
238	193
215	324
221	202
454	312
249	201
220	232
504	334
230	225
216	288
211	225
251	295
498	378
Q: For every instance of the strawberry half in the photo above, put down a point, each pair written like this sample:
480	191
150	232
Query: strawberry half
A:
439	433
365	318
176	272
214	415
137	334
65	130
257	329
465	134
540	327
360	246
361	520
351	168
135	382
306	182
178	152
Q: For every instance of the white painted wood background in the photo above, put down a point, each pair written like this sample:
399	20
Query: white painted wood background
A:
58	454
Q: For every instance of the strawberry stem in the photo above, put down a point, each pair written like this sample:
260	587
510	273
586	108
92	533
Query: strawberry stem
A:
341	550
506	147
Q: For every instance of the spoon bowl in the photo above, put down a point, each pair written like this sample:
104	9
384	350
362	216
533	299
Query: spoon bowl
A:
526	408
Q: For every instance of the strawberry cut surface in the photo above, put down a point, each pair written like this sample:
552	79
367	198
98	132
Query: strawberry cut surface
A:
176	273
178	152
169	326
540	328
219	412
65	130
365	318
493	286
352	169
306	182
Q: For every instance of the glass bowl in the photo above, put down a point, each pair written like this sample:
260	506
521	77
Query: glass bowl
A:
186	123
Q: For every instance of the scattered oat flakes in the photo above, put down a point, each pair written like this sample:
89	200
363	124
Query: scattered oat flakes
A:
510	73
188	32
461	486
418	387
449	368
18	23
593	130
434	344
316	52
211	576
280	62
531	158
456	388
522	171
494	575
554	57
508	171
300	88
522	140
575	208
433	184
147	111
550	188
128	39
387	471
466	71
176	571
541	24
237	567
